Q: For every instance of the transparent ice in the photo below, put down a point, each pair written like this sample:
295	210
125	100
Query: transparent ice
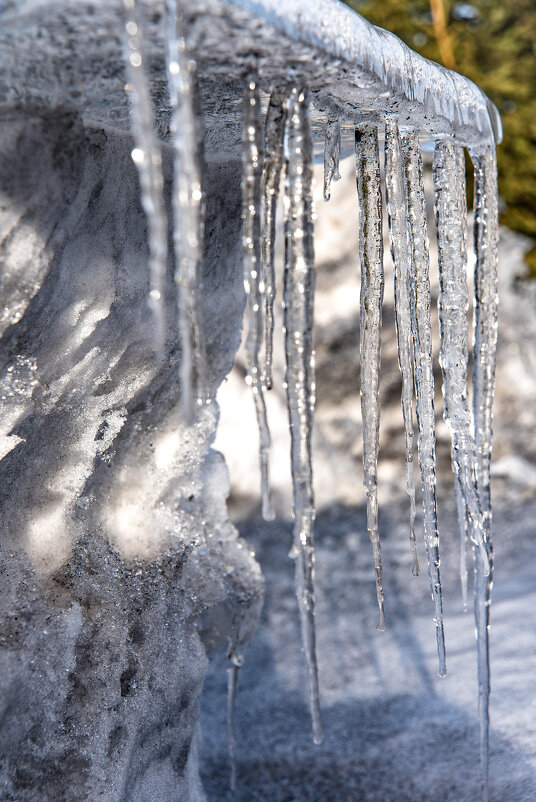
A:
486	233
420	307
254	279
273	163
371	256
187	205
451	220
300	372
400	250
232	691
332	152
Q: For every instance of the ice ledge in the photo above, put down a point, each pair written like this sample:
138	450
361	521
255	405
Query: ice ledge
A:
353	68
333	29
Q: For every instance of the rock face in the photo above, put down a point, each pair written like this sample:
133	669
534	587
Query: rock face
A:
119	567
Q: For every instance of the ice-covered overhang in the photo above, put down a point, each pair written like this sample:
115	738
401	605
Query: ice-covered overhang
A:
71	54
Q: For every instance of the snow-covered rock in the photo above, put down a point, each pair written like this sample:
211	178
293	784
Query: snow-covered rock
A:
119	567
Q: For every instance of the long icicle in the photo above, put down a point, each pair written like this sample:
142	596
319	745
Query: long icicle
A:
253	279
147	156
451	220
332	153
486	236
400	251
273	163
300	375
187	204
420	304
371	254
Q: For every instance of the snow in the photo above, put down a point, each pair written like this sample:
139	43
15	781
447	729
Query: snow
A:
188	208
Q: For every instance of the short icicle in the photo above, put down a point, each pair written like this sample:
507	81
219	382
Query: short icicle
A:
486	234
300	377
451	225
253	279
371	255
273	163
232	692
332	153
147	156
400	251
420	305
187	205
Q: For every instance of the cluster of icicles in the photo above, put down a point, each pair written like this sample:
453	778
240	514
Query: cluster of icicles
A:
281	144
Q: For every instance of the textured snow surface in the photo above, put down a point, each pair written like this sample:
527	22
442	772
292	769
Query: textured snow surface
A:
119	566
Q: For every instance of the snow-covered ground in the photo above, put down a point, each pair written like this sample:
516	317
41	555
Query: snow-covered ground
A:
394	731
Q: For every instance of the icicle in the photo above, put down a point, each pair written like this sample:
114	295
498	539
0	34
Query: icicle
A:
371	255
232	692
461	515
273	162
332	152
253	280
400	251
300	381
187	203
420	304
486	303
147	157
451	218
486	233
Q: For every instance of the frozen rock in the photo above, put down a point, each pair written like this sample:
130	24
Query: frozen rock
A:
119	568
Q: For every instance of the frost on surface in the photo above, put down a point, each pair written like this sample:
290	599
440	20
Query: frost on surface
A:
300	375
371	256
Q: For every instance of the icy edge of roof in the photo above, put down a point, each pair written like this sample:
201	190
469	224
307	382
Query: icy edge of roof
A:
336	30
